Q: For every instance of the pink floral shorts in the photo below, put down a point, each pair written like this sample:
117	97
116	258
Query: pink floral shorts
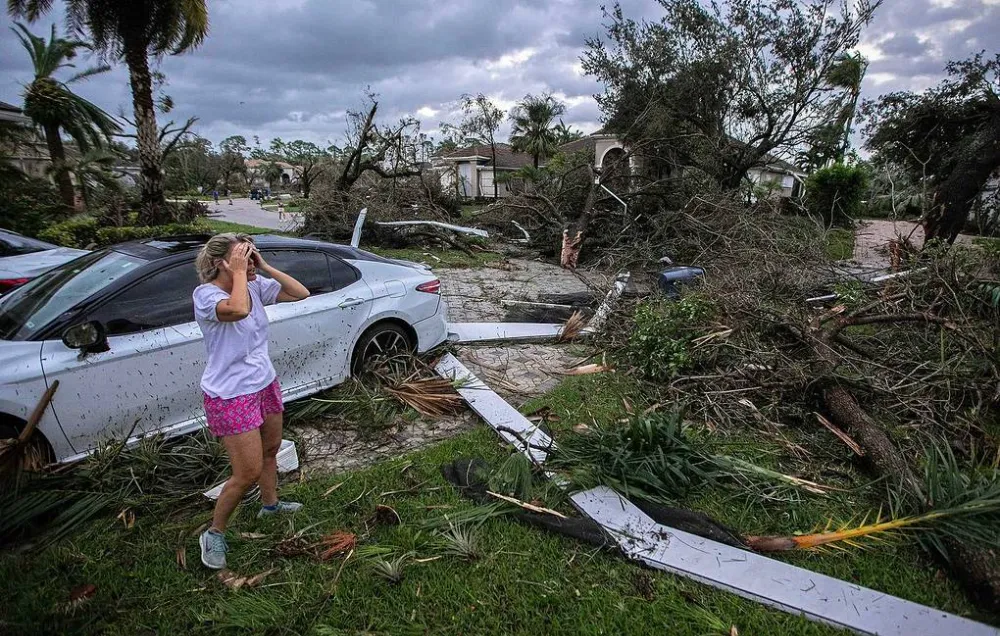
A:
244	412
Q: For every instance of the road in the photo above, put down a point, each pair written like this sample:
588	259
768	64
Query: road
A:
249	212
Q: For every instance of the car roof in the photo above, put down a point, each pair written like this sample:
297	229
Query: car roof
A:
152	249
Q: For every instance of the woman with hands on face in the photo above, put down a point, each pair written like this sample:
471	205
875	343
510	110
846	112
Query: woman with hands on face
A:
242	397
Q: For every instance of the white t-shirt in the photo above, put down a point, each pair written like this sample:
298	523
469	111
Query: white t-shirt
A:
238	361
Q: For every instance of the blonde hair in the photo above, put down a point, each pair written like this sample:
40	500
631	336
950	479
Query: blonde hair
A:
214	251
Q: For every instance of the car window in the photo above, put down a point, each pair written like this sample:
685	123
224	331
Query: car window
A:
161	300
31	307
343	274
308	267
15	245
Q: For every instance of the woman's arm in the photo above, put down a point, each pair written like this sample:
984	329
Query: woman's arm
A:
237	306
291	289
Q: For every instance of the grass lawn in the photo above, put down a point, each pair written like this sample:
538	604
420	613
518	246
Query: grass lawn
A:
839	244
524	581
225	226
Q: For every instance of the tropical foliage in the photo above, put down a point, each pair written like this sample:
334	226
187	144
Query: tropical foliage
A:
532	130
55	108
132	32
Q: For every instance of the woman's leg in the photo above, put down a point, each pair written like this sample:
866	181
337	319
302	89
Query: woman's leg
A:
245	457
270	437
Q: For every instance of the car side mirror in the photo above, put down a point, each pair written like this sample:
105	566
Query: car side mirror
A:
88	337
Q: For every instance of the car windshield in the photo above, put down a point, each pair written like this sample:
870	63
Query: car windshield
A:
29	308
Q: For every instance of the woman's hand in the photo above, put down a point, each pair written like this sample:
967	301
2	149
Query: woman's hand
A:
258	260
239	259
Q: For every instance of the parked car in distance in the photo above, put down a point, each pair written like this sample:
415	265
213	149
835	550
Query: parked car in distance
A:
23	258
116	328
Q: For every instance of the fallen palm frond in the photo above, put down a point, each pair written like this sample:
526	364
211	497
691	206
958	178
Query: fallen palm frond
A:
154	472
742	468
648	457
431	397
236	581
573	326
965	508
353	401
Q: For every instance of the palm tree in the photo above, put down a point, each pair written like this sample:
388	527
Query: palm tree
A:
565	134
95	169
133	31
55	108
532	130
847	74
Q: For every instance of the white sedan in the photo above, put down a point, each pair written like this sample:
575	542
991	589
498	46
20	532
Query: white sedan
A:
116	328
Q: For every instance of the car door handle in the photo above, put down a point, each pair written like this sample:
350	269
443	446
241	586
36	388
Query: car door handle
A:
351	302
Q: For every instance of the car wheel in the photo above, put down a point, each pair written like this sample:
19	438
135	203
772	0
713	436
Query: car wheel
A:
37	454
380	342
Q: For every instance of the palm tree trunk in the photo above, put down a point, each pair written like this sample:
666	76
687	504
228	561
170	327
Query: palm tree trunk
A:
153	211
57	153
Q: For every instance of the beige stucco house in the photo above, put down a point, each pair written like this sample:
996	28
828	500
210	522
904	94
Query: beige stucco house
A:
469	172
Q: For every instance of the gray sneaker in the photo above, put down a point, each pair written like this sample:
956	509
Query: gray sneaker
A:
213	549
281	506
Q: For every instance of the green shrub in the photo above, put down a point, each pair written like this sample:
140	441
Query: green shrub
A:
112	235
659	345
78	232
28	205
836	193
83	232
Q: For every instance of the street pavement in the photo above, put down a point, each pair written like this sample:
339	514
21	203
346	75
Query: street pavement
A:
249	212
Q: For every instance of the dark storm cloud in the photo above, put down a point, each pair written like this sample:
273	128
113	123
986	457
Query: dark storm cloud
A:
294	68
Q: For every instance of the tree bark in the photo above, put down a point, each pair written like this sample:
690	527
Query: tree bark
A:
879	449
57	153
154	205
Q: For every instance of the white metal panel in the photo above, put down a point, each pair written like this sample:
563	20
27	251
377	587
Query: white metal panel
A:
491	331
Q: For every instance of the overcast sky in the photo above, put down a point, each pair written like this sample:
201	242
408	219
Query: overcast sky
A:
291	68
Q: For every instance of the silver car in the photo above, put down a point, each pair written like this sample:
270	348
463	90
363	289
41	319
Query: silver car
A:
116	328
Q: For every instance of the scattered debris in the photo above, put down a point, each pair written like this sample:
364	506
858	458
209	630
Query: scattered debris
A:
236	581
19	453
431	397
181	558
588	369
525	505
467	332
332	488
356	236
844	437
818	597
573	327
447	226
385	516
339	542
606	307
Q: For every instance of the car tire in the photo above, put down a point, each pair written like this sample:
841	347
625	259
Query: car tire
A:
10	428
380	340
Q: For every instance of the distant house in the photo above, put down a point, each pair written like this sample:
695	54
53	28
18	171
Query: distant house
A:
470	173
30	156
257	167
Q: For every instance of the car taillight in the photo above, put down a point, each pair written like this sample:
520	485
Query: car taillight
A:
430	287
7	284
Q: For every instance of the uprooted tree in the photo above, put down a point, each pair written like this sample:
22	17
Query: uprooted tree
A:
720	88
378	169
945	138
898	370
